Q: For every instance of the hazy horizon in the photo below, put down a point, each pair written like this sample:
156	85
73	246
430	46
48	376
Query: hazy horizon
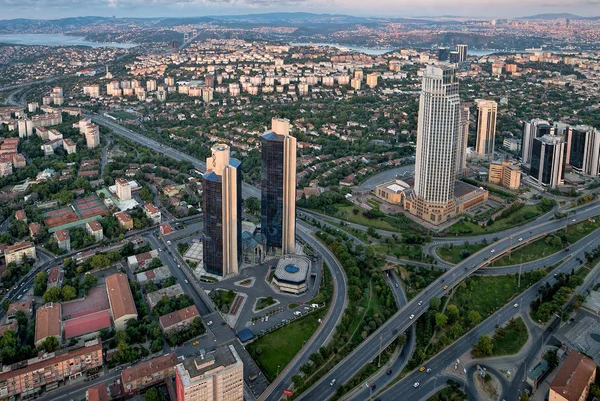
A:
56	9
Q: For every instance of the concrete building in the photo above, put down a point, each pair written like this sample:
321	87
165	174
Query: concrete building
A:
463	52
55	277
573	380
437	141
211	377
372	79
548	160
392	192
583	149
69	146
125	220
62	239
20	251
355	83
47	323
95	229
292	274
222	205
28	377
146	374
141	260
278	188
121	302
535	128
463	137
486	128
506	174
178	320
152	212
5	168
122	189
171	292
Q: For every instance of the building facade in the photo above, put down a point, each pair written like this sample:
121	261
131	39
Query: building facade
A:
506	174
122	189
121	302
222	205
583	149
217	376
548	160
533	129
461	149
278	188
486	128
20	251
146	374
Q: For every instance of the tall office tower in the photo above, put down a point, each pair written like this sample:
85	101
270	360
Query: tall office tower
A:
443	54
209	81
438	133
583	149
461	149
486	128
462	52
548	160
278	188
531	130
454	57
186	37
217	376
175	44
222	203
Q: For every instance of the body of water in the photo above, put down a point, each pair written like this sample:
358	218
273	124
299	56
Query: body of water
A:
46	39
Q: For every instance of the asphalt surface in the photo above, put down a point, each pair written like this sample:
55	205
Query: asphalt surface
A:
324	333
402	320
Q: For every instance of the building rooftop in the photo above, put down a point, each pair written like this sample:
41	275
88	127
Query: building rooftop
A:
96	300
572	379
24	306
169	292
94	225
98	392
47	321
87	324
292	269
194	368
151	208
148	368
173	318
19	246
61	235
119	296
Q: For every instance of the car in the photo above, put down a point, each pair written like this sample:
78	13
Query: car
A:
373	386
196	342
445	287
411	317
422	368
416	385
516	305
223	323
396	285
169	242
574	220
22	284
428	371
209	322
420	303
178	265
20	296
520	239
187	282
394	332
332	382
389	372
492	251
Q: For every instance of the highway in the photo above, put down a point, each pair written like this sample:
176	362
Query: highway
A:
404	318
324	333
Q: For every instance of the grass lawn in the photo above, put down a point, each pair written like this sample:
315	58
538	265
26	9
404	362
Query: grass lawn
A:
221	297
279	347
449	394
122	115
263	303
521	216
401	251
355	232
388	222
510	339
458	253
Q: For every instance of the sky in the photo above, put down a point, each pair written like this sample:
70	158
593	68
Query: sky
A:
50	9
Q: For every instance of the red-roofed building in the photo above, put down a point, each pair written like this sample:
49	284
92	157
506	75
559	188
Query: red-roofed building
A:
20	215
125	220
25	307
572	382
63	240
55	277
178	320
95	229
87	326
34	229
152	212
121	300
12	326
98	392
47	323
146	374
165	229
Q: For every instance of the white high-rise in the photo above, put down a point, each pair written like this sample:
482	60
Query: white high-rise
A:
486	128
438	134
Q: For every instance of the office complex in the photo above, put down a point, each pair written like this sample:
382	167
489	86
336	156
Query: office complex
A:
486	128
463	137
533	129
583	149
438	133
548	160
506	174
462	52
215	376
222	204
278	188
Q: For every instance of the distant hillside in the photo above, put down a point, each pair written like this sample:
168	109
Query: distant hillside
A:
552	16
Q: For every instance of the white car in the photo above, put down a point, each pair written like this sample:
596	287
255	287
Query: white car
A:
416	385
574	220
516	305
520	239
187	282
411	317
493	250
209	323
420	303
332	382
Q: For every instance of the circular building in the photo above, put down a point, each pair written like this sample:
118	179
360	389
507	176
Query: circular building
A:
291	274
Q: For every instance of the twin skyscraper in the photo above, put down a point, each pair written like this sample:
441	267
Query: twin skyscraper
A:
222	201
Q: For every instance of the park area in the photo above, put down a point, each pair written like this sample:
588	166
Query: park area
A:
457	253
509	340
273	351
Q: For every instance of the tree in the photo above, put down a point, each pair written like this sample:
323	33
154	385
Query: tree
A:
441	319
146	194
474	317
483	348
154	395
89	281
456	330
50	344
40	284
252	205
435	303
551	357
52	295
452	312
68	293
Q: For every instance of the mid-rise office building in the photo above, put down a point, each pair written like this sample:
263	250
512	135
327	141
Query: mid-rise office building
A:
278	188
535	128
222	204
462	52
583	149
438	133
506	174
548	160
214	376
486	128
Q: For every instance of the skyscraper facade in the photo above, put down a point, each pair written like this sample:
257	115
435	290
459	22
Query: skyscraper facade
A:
486	128
222	204
535	128
461	149
438	133
278	188
548	160
583	149
462	52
